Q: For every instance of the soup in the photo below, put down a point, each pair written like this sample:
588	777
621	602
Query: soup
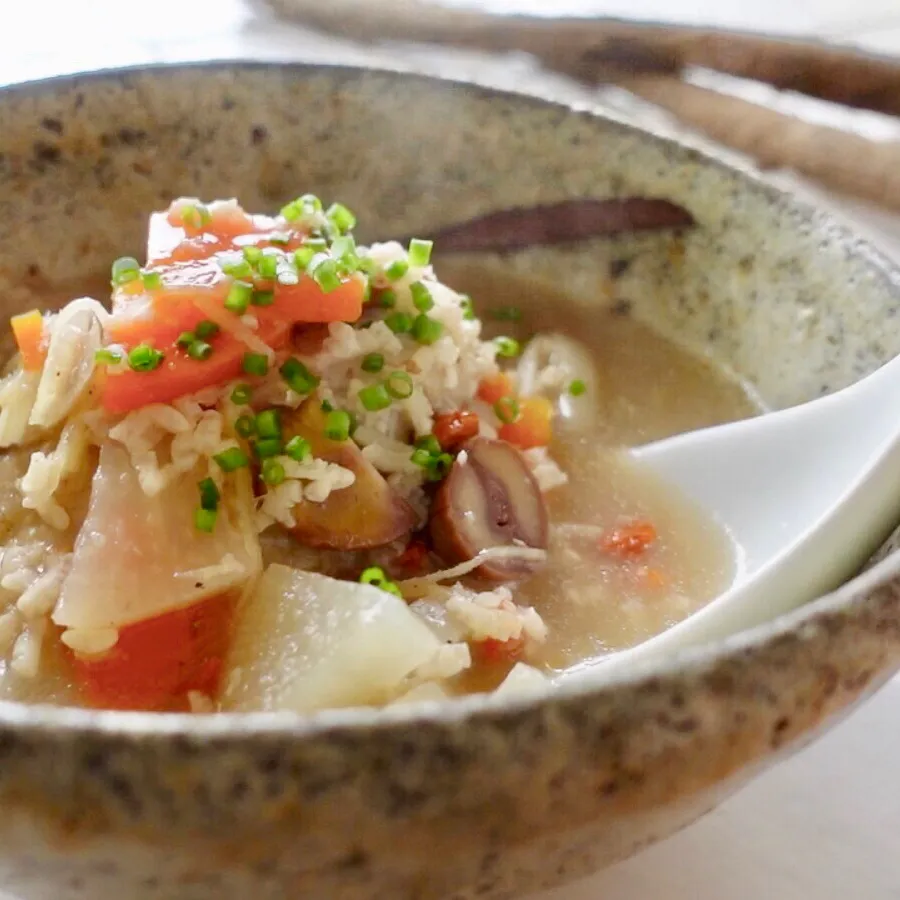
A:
288	472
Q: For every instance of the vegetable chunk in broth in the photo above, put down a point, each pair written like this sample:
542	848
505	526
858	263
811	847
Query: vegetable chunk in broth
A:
268	468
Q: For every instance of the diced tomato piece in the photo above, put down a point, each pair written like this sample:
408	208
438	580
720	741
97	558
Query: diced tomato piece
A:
156	662
306	302
496	387
629	540
533	427
453	429
494	652
28	329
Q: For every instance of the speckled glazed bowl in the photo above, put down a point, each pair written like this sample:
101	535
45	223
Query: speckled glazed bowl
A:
472	798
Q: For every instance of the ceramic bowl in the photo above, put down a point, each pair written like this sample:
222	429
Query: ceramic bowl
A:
469	799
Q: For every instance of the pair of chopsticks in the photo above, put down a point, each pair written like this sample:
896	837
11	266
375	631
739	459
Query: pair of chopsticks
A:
651	60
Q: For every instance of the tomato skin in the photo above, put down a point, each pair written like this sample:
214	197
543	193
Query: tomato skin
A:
493	652
156	662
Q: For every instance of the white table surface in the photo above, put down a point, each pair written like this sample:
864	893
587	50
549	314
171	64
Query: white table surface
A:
824	825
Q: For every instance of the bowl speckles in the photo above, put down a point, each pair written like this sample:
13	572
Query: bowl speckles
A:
473	798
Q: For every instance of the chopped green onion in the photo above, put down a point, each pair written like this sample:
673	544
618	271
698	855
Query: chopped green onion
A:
231	459
124	270
303	257
399	385
268	447
373	575
298	448
507	410
420	252
506	314
267	266
144	358
340	218
318	244
396	270
255	363
279	238
387	299
209	494
343	249
106	357
272	472
326	406
241	394
392	588
374	397
238	269
200	350
366	264
195	215
467	307
238	298
577	387
430	443
439	467
287	274
507	347
302	206
185	339
263	298
421	297
268	424
299	379
337	425
425	330
245	426
421	457
152	280
205	519
206	329
372	362
399	323
324	273
252	254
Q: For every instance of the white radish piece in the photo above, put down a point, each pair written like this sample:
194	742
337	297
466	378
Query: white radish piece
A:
305	642
522	681
138	556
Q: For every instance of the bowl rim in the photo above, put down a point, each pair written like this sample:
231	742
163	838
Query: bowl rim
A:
41	719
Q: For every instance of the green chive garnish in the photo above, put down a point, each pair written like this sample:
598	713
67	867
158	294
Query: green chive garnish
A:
205	519
439	467
396	270
507	347
399	323
326	406
241	394
231	459
209	494
318	244
429	443
577	387
238	269
268	447
374	397
268	424
421	297
324	273
507	410
252	254
195	215
420	252
425	330
263	298
238	298
279	238
303	256
399	385
374	575
245	426
206	329
255	363
144	358
106	357
267	266
388	299
200	350
467	307
152	280
185	339
299	379
124	270
337	425
298	448
372	362
340	218
272	472
421	457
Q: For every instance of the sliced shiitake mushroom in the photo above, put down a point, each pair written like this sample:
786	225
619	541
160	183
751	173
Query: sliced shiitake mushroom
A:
489	499
367	514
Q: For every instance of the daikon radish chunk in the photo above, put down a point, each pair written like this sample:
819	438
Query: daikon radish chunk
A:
305	642
138	556
522	681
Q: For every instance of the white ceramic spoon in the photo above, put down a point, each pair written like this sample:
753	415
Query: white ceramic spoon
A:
807	494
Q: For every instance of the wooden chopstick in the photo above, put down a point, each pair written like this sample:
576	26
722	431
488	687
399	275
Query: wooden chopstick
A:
602	49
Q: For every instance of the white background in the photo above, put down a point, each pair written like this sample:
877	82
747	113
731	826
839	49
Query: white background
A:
822	826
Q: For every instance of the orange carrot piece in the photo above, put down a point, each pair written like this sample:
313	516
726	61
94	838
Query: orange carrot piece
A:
495	387
306	302
533	428
652	578
453	429
28	329
629	540
493	652
156	662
